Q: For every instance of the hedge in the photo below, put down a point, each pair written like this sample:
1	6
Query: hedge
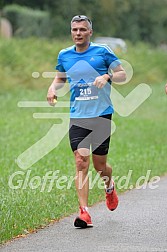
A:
27	22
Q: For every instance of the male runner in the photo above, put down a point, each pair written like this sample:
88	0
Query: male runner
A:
90	70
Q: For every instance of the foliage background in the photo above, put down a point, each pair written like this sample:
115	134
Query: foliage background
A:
133	20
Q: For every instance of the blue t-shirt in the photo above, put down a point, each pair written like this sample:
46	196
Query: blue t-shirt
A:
82	68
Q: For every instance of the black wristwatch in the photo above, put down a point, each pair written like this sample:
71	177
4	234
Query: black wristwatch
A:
110	75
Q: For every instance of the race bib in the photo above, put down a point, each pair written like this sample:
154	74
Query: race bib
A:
86	91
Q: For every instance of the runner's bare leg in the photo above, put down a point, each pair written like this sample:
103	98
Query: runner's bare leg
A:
82	182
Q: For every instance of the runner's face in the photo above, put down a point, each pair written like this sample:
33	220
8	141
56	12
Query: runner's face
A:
81	33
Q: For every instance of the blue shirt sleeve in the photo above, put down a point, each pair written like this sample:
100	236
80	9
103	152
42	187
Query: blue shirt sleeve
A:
111	59
59	65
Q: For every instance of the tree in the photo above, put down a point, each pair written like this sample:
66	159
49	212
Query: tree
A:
129	19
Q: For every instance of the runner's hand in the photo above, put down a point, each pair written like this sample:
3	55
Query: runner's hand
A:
100	81
51	96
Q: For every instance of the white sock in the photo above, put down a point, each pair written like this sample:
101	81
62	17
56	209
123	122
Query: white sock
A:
86	208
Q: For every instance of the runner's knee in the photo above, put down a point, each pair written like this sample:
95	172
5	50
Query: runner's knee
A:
82	162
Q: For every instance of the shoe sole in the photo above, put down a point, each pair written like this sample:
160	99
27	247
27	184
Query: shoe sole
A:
112	209
81	223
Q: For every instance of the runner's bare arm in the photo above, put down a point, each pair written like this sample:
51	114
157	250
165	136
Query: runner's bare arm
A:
119	75
57	83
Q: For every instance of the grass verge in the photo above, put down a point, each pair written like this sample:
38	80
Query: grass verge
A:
139	143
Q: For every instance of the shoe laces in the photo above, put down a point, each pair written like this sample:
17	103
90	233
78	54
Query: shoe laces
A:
110	190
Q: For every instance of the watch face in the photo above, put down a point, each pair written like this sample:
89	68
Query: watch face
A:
111	75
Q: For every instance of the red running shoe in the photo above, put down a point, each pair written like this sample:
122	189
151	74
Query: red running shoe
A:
83	220
112	200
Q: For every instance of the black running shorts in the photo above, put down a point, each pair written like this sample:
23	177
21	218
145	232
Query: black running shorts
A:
91	132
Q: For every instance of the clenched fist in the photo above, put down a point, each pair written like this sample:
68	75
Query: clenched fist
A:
101	81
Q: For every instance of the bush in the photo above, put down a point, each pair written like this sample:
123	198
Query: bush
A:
27	22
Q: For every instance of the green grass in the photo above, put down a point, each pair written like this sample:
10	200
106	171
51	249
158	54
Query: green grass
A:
139	143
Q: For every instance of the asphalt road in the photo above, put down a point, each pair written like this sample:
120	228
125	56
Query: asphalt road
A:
138	224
